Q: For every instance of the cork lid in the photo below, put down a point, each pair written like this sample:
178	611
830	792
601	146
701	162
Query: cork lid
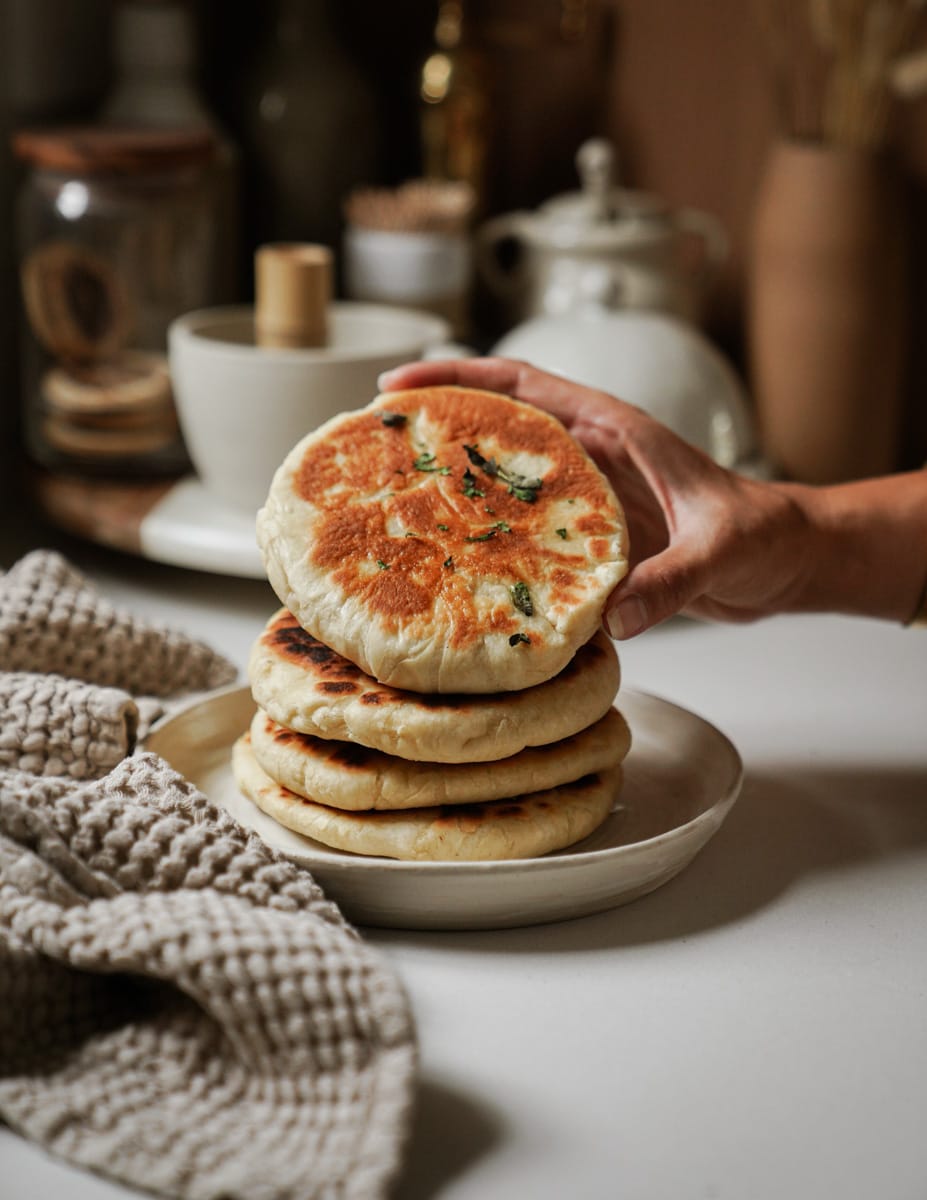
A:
293	290
97	150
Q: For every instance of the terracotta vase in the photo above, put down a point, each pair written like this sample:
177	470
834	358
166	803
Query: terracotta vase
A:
828	312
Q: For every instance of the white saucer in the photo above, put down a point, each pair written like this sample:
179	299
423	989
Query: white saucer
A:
189	527
681	778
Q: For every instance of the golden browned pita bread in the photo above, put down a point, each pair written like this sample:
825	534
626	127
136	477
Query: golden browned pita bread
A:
345	775
522	827
310	688
445	540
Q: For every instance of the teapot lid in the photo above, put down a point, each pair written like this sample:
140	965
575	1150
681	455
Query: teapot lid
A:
601	204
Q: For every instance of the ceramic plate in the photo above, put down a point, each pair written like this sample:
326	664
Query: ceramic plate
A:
189	527
681	778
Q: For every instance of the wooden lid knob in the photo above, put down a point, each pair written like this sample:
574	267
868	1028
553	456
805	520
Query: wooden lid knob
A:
292	292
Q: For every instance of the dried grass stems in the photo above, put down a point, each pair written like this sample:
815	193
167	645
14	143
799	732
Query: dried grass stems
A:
417	206
834	65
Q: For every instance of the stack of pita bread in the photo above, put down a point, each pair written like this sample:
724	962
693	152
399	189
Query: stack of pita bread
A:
437	685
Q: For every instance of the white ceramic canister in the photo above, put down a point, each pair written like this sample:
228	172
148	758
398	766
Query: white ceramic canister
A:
422	269
243	406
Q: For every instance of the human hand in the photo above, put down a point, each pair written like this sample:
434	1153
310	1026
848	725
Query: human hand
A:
703	540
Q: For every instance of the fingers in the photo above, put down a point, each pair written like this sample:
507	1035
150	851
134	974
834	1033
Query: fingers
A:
434	373
648	464
566	401
657	588
627	617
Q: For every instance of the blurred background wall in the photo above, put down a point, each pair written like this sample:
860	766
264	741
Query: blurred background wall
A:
682	87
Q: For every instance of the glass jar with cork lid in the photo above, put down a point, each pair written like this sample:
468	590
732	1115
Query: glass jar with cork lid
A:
117	235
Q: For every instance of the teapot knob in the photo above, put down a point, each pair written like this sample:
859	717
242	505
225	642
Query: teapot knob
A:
595	162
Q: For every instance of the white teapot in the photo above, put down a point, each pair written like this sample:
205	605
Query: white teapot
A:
627	247
654	360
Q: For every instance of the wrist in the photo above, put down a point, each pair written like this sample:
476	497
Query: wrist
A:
865	546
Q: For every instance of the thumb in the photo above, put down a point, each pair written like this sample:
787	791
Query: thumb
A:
657	588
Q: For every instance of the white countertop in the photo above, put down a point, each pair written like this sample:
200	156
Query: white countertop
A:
754	1030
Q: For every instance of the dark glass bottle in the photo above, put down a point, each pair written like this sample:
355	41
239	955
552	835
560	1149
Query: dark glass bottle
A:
311	126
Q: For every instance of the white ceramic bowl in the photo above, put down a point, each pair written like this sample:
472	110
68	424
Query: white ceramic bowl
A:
242	407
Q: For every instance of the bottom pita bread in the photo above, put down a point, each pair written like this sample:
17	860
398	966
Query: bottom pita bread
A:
523	827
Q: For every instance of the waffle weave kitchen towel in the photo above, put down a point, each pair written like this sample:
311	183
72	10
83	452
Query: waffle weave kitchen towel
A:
180	1008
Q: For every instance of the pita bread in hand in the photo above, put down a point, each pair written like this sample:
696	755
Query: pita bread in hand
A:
445	540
